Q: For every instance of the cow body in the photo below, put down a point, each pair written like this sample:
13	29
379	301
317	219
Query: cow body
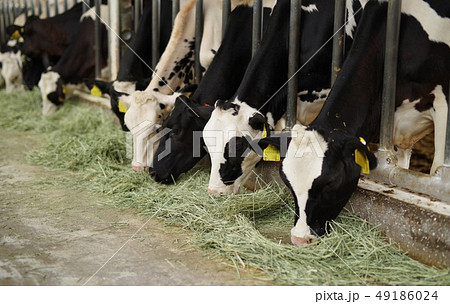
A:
189	116
78	62
323	179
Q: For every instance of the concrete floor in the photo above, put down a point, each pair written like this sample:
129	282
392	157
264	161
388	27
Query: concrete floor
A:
52	235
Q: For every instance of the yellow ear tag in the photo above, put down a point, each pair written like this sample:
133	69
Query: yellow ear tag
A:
361	159
15	36
122	107
95	91
271	153
187	94
64	89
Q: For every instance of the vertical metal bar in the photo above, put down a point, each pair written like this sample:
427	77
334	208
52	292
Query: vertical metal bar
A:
114	50
175	10
2	24
137	13
338	39
13	10
155	32
47	9
39	7
294	58
56	7
98	40
8	13
390	74
447	137
226	8
257	25
66	5
25	2
198	39
85	6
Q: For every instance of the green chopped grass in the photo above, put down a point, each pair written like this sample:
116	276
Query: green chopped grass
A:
248	230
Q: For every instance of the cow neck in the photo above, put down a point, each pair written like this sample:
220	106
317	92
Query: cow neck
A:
354	103
267	71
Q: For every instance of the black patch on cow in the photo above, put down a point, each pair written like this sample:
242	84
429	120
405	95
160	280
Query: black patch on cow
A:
213	51
53	97
257	122
161	83
226	105
425	103
156	90
171	75
162	106
235	151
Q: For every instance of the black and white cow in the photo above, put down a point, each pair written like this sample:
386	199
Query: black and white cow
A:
77	63
259	97
11	66
175	70
189	116
320	166
134	70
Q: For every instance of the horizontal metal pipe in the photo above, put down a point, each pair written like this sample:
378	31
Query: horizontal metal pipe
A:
435	186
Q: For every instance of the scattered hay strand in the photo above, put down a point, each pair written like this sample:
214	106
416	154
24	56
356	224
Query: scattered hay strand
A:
250	229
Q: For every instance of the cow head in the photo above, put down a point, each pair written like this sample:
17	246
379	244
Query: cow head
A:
53	92
227	135
143	118
321	171
11	70
181	147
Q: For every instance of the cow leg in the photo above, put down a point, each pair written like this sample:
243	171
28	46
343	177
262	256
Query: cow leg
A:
440	126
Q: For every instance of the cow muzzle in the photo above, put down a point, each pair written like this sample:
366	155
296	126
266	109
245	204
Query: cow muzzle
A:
218	191
301	241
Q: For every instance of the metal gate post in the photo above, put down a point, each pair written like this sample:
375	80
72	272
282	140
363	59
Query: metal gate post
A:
13	10
2	24
226	8
390	74
47	9
85	6
155	33
56	7
294	51
257	25
338	39
137	13
198	39
66	5
175	10
98	40
39	8
113	47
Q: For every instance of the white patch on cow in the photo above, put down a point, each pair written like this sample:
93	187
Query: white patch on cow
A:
124	86
307	111
310	8
270	119
12	71
439	114
311	168
48	84
351	24
104	14
410	126
221	127
143	115
437	27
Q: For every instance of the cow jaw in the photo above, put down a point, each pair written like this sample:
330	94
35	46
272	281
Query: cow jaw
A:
143	118
47	85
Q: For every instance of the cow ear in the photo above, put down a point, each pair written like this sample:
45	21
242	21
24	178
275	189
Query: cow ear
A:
358	148
189	90
258	122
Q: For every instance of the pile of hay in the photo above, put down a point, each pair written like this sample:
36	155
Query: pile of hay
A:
250	229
